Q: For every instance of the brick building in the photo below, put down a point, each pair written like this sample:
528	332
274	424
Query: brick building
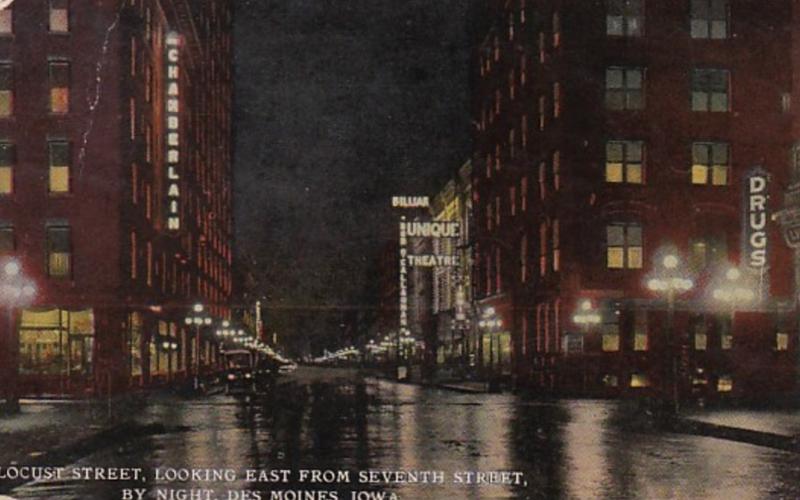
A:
608	135
115	186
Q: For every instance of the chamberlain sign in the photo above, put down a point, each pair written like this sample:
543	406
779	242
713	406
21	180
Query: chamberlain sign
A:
173	125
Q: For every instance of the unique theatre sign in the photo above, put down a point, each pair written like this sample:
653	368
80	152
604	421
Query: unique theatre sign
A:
173	124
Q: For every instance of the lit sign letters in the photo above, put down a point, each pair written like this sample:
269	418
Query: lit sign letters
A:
410	202
756	219
432	229
173	128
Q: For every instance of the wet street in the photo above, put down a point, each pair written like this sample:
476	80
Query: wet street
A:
332	419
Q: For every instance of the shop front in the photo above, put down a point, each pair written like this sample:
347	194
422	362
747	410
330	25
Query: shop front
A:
56	350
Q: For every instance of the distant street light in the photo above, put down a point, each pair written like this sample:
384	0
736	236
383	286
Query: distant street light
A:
198	318
586	316
733	293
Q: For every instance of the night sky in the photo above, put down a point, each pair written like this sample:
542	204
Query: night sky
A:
339	105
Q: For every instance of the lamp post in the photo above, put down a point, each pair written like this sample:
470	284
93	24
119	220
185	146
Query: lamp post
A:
733	293
669	280
198	318
490	324
585	317
16	291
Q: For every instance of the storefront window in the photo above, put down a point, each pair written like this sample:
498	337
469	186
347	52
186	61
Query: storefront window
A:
56	342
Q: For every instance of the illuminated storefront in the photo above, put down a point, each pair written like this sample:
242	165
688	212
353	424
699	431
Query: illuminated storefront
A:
56	343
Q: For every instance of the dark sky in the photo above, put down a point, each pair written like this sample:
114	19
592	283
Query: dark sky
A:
339	105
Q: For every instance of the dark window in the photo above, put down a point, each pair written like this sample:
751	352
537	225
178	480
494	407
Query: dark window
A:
710	89
624	88
7	241
624	18
709	19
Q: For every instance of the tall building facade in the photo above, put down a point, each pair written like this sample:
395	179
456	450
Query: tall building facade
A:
115	186
452	283
610	135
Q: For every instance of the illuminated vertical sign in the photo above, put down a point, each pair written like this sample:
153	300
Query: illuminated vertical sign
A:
403	285
754	228
173	130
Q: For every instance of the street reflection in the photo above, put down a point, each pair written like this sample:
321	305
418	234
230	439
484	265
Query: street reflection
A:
566	449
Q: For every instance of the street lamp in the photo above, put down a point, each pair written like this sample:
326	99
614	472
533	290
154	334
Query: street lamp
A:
198	318
586	316
490	324
733	293
668	280
16	291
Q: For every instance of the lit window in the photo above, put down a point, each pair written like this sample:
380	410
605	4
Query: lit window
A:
710	163
496	49
134	184
725	383
6	90
556	100
542	180
524	131
523	258
59	16
624	161
132	118
133	56
489	162
556	30
639	380
149	263
710	249
523	70
781	341
610	335
624	246
523	193
59	251
700	336
512	199
7	163
709	19
497	211
59	167
640	342
726	335
542	106
710	89
498	265
512	143
542	48
556	170
556	246
7	240
510	25
134	256
59	86
522	11
624	88
624	18
542	249
497	165
7	20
